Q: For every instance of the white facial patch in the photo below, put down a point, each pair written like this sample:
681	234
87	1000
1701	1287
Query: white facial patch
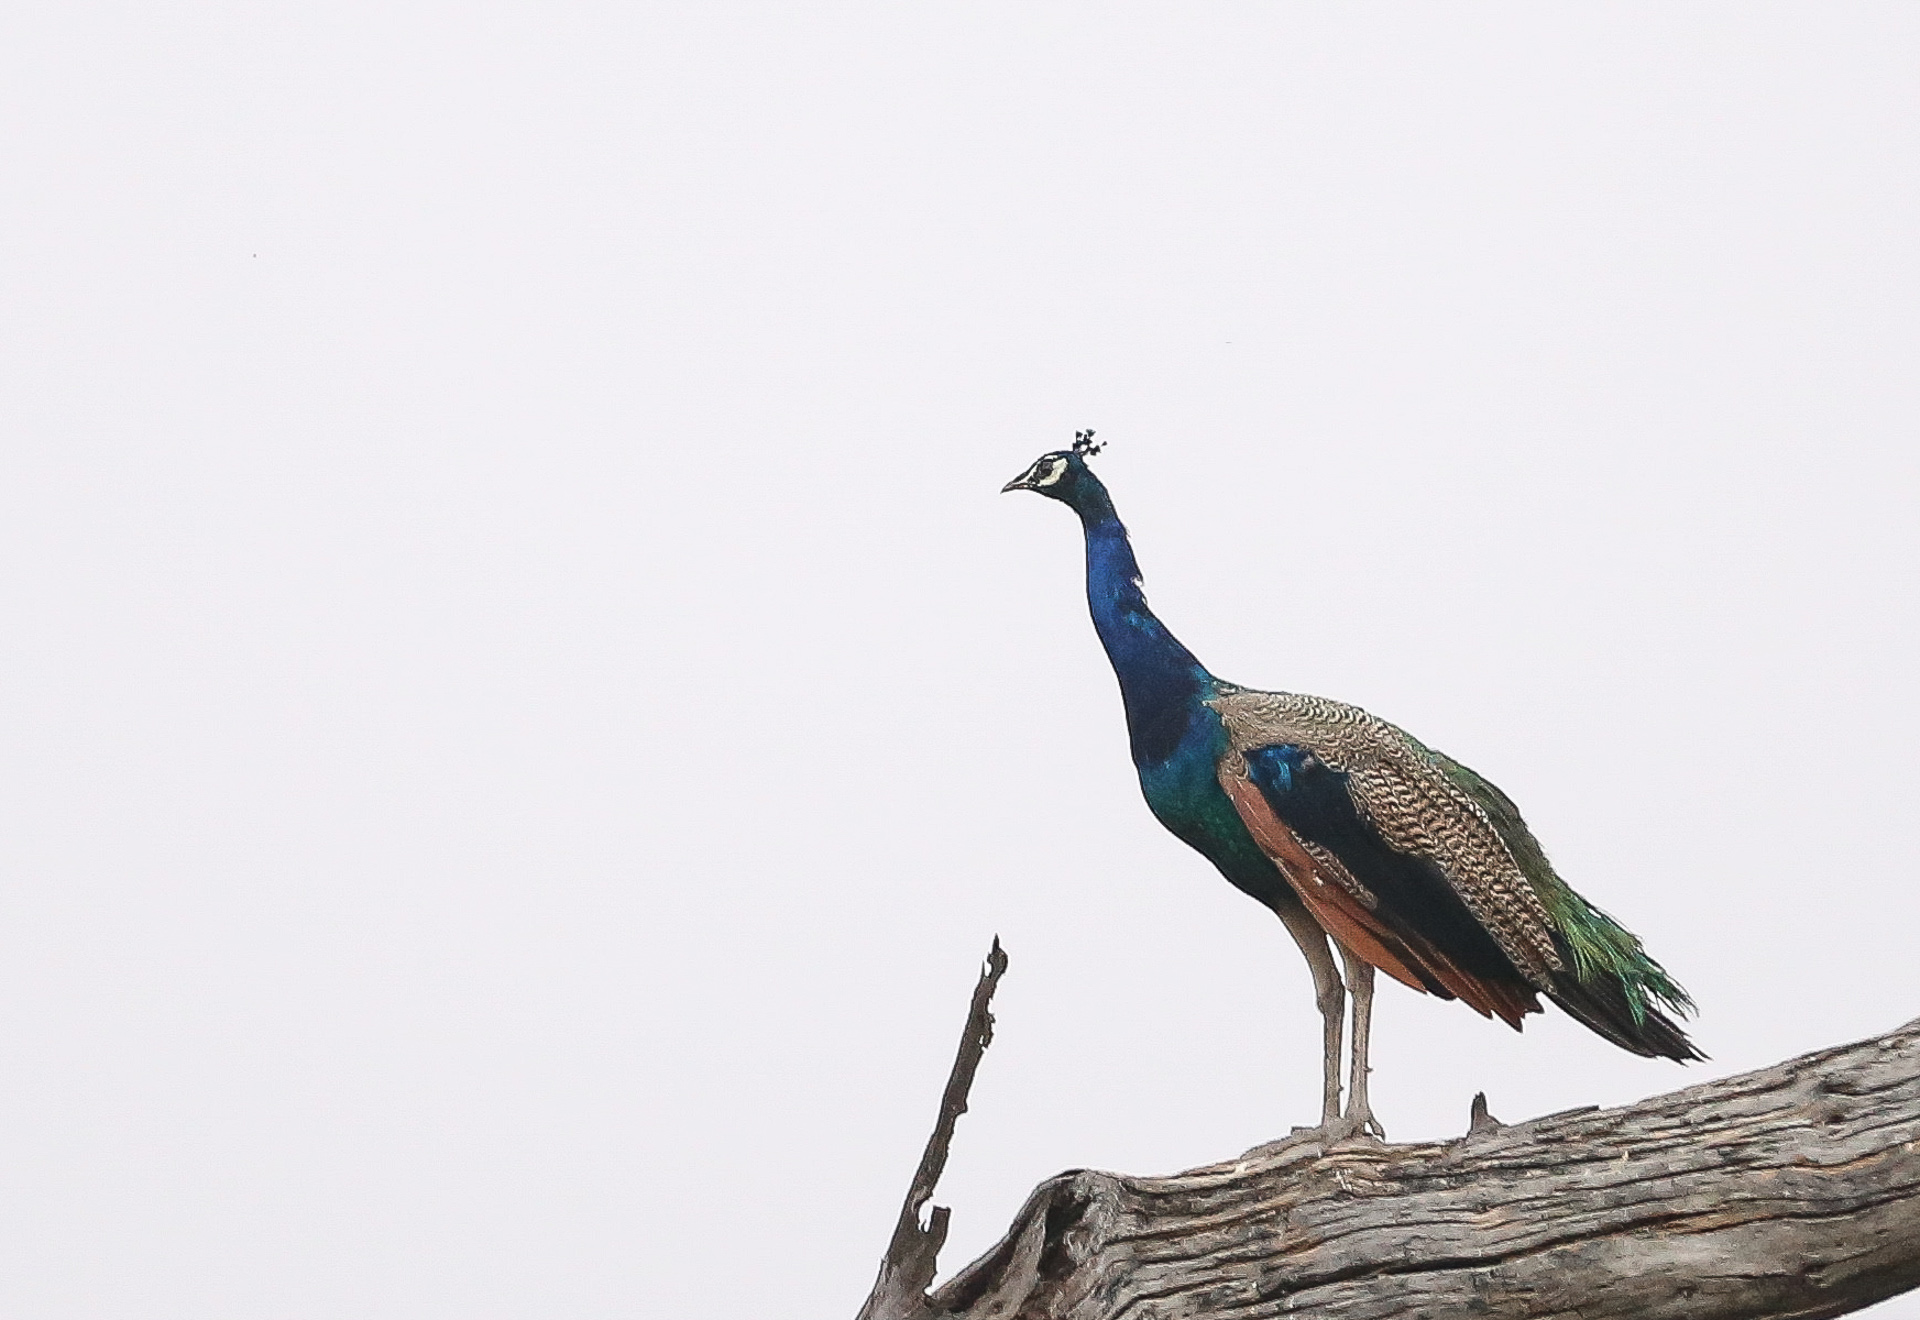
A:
1055	469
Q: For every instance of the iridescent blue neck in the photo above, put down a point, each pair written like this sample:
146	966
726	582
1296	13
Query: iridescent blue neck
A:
1160	681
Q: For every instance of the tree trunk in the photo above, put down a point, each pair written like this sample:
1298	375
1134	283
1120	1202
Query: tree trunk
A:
1792	1191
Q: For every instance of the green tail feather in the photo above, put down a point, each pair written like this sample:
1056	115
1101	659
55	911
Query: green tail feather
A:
1613	986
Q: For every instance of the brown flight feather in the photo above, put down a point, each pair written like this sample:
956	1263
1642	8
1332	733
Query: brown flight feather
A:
1404	955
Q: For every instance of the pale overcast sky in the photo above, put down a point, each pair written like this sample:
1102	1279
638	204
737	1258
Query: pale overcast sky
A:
524	706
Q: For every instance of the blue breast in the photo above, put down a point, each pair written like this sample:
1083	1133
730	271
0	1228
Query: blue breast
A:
1183	791
1177	739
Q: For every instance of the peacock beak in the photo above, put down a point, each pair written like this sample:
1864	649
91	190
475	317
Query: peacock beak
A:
1042	475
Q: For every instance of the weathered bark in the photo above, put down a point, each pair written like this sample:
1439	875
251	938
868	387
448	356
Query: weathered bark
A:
907	1268
1791	1191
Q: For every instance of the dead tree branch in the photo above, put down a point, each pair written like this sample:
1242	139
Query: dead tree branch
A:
1793	1191
901	1290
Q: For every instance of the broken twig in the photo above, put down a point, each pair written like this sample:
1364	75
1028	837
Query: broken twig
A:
900	1293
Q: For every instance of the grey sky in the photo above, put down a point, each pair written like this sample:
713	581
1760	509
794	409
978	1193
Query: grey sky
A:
524	707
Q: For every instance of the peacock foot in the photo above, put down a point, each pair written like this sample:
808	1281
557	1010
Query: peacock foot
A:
1353	1124
1345	1128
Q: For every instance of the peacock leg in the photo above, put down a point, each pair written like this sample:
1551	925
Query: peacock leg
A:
1359	1117
1331	998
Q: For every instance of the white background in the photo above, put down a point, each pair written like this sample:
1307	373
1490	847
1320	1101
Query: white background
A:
523	706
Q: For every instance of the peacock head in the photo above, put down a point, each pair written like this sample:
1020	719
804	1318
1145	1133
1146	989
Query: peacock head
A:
1062	475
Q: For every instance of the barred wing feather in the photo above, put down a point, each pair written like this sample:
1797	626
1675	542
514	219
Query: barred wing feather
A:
1427	870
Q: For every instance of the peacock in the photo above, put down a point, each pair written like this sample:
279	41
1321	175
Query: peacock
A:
1356	835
